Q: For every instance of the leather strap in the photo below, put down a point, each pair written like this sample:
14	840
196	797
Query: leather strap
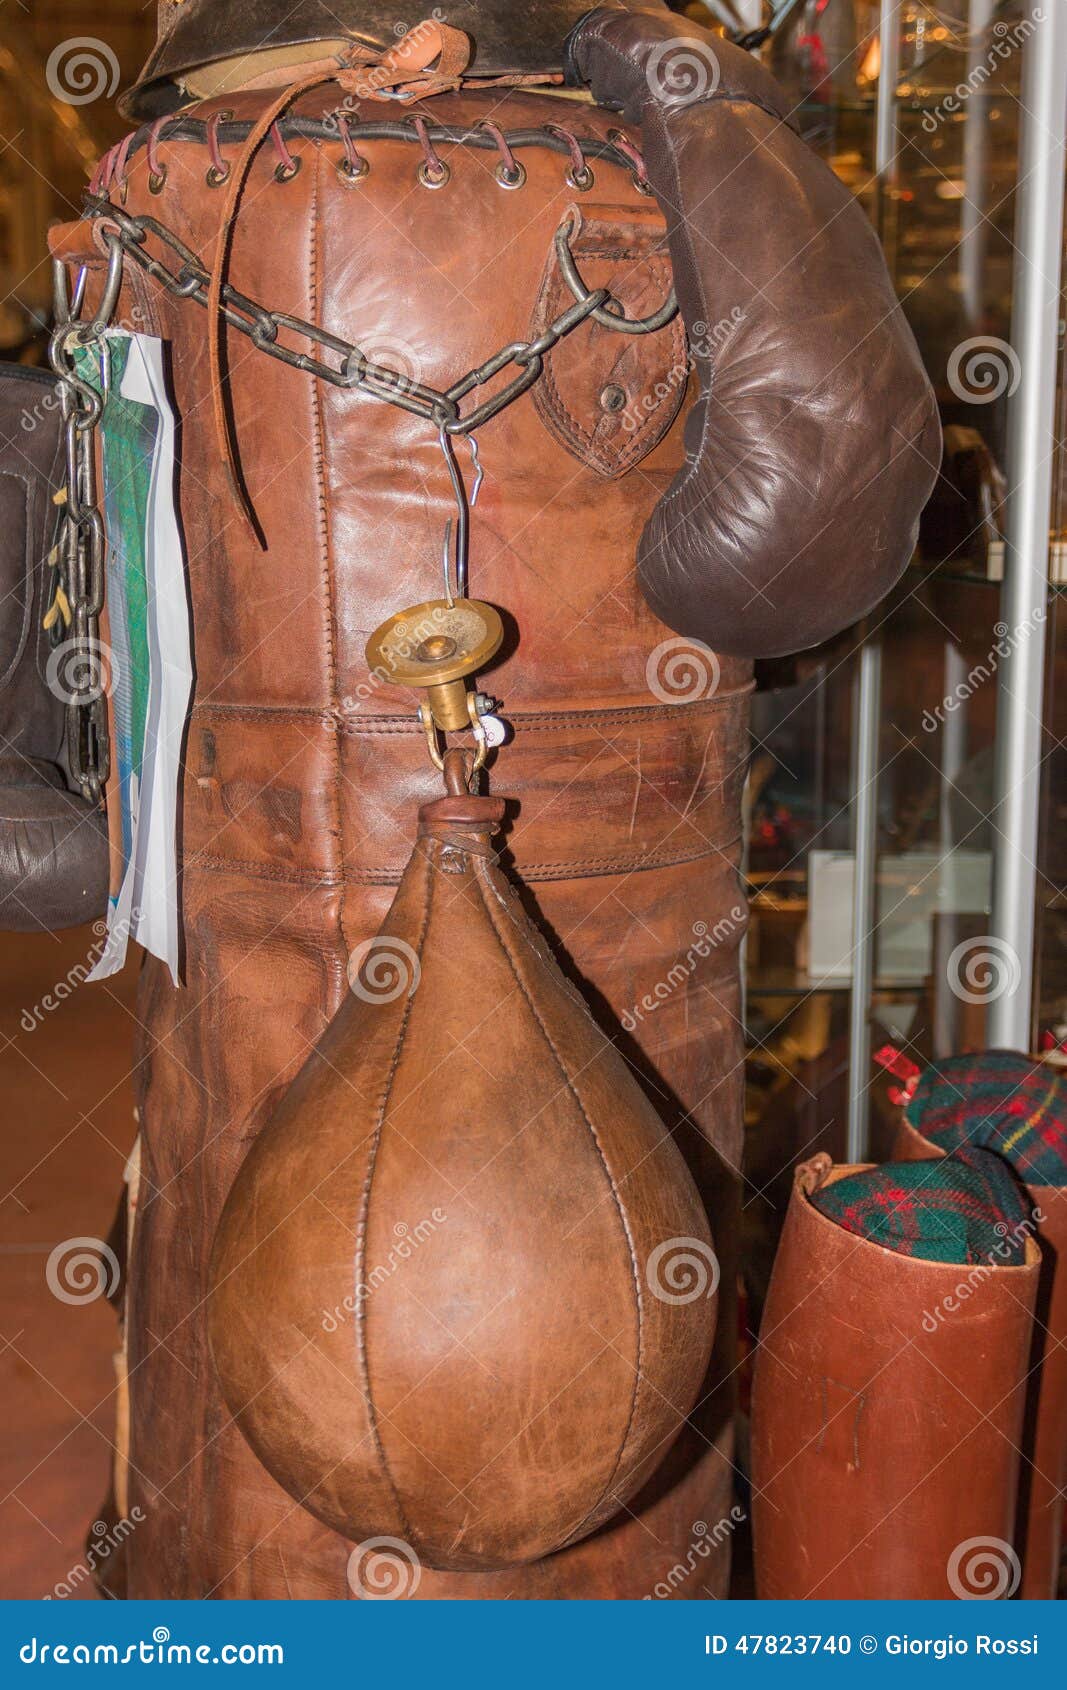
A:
366	75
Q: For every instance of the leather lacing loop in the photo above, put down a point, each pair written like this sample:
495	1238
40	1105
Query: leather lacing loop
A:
111	171
433	172
626	147
218	172
353	167
157	170
580	176
288	165
510	173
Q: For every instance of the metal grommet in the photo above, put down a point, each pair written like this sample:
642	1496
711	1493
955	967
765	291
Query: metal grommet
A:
582	180
613	398
215	177
157	180
511	178
643	187
431	178
351	173
286	172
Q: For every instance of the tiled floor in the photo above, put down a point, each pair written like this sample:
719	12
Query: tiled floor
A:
66	1108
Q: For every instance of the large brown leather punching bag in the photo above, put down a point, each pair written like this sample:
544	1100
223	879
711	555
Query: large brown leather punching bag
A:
463	1284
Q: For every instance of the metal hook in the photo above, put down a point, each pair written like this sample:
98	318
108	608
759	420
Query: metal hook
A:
464	506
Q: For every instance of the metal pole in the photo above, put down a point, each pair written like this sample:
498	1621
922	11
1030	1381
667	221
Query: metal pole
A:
1036	314
868	716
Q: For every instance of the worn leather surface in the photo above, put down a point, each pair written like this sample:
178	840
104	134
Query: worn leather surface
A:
53	845
1043	1478
303	778
887	1415
500	1378
815	441
304	773
192	33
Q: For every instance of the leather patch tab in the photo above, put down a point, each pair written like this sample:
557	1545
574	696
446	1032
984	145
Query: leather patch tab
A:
609	398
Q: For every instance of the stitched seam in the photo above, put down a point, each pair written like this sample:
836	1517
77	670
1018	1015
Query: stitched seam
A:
361	1234
551	721
319	454
296	876
508	946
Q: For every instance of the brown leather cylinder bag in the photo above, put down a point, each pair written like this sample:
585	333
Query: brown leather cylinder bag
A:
1044	1470
887	1413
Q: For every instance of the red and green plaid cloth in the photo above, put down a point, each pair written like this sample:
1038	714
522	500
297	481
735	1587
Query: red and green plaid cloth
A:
1000	1101
966	1208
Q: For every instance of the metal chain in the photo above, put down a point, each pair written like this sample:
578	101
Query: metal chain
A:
81	546
190	279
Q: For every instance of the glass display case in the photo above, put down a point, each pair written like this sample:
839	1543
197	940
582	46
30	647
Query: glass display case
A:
875	782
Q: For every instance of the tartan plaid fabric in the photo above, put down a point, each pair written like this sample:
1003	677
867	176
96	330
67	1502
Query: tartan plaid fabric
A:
1001	1101
967	1209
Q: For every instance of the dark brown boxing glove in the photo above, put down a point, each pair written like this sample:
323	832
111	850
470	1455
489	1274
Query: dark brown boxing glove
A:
53	844
815	441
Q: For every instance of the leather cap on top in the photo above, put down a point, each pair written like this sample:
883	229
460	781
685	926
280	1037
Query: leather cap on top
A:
506	37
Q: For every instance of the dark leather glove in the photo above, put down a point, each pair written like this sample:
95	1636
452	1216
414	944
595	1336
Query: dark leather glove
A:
815	442
53	844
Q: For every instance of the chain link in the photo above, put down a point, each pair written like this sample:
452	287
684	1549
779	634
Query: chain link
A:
82	541
189	279
81	548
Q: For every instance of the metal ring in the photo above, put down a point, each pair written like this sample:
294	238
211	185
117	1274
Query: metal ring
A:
434	178
286	172
157	180
215	178
511	178
582	180
350	173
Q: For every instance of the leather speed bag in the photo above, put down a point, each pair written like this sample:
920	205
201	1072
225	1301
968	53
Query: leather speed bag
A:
463	1288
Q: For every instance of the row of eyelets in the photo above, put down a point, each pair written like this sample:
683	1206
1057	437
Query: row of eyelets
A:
287	166
433	172
157	171
353	167
579	175
510	173
218	171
